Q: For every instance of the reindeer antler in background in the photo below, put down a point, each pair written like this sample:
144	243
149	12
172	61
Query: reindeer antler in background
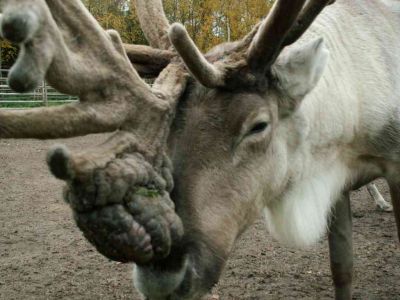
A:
62	42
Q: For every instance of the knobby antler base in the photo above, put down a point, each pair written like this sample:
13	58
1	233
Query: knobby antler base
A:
62	43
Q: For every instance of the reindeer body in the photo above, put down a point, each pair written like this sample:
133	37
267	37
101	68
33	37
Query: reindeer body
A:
347	129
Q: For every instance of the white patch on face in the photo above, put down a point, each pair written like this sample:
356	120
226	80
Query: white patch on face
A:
300	217
155	284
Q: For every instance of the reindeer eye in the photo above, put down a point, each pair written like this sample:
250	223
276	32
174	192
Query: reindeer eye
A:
258	127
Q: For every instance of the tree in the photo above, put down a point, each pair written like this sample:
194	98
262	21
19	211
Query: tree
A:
8	54
209	22
119	15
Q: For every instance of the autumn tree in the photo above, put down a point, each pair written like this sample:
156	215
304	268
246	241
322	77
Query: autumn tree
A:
119	15
8	54
209	22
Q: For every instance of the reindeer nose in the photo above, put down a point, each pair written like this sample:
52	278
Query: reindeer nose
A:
19	26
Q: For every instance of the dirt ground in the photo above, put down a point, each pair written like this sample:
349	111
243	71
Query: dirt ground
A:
44	256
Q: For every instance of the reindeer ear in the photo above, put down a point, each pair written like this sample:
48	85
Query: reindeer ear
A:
299	68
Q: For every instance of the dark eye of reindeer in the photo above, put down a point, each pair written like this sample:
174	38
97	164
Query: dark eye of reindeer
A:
259	127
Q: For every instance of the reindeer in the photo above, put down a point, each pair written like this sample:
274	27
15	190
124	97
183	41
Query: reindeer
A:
284	123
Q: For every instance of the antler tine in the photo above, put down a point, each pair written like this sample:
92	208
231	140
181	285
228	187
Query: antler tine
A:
205	72
148	61
267	43
311	10
62	42
172	80
61	121
153	22
161	35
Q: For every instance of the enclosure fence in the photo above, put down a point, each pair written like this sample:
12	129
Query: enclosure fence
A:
44	95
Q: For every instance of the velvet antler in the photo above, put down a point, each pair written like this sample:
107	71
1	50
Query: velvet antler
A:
311	10
77	57
61	42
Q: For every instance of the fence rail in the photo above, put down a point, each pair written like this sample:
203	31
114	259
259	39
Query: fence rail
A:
44	95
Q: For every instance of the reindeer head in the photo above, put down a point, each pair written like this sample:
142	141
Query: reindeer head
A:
216	116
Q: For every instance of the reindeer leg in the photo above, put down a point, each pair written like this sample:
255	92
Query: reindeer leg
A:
395	194
380	202
341	248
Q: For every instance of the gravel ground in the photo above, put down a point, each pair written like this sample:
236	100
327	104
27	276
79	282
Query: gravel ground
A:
44	256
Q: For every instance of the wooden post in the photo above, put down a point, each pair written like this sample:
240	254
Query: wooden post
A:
44	94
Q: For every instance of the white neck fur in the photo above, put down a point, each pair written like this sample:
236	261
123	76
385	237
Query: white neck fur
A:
300	217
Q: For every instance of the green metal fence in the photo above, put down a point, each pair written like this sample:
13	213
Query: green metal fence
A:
44	95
